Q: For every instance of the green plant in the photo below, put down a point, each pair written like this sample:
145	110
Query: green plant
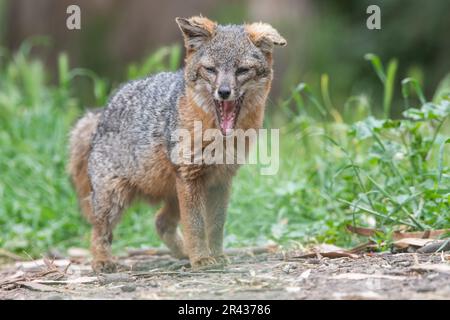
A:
387	173
163	59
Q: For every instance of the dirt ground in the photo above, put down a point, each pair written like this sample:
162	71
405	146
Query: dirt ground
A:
274	275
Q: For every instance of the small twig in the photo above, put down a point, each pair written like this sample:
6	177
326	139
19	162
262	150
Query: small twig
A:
378	214
67	268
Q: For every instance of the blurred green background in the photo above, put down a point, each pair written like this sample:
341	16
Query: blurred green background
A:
323	36
364	139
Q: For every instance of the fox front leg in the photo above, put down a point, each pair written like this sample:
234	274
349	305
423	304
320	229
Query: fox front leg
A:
217	203
192	203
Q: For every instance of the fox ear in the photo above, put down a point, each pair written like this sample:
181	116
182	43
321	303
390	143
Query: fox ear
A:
196	31
264	36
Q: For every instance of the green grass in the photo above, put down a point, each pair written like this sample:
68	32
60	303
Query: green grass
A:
339	165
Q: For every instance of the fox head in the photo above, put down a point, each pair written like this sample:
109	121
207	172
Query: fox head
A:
228	67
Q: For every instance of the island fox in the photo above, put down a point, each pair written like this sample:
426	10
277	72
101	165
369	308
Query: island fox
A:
123	151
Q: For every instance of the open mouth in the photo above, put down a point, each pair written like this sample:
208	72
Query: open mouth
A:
227	112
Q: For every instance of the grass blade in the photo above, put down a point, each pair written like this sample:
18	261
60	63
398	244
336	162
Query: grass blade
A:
378	214
441	161
389	86
377	65
409	83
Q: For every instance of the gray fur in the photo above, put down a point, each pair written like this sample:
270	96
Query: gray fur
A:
138	117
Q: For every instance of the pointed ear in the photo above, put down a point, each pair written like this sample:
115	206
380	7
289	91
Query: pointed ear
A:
196	31
264	36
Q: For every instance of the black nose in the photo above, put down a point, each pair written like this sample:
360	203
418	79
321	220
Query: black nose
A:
224	91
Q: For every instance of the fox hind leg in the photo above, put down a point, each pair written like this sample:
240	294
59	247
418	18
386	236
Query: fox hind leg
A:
166	222
108	204
101	246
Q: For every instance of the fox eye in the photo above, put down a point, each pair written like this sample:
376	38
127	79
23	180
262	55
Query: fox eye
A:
211	70
242	70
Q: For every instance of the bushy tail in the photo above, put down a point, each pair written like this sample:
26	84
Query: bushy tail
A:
80	145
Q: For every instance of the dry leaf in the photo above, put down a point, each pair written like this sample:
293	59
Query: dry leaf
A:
340	254
328	251
366	232
38	287
442	245
364	247
414	242
433	234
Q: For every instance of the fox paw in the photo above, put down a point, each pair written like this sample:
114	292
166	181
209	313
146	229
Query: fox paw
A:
222	259
203	262
104	266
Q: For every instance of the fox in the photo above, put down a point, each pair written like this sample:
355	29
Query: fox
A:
122	152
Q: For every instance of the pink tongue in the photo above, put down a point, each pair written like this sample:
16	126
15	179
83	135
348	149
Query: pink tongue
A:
228	116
